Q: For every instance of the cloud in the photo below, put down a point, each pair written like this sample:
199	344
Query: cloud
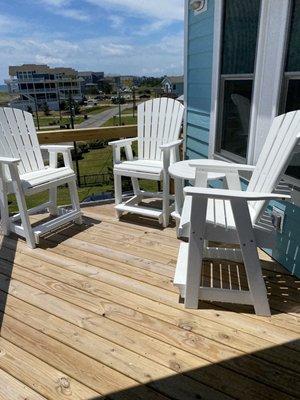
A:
10	24
61	7
172	10
72	13
112	54
40	59
116	21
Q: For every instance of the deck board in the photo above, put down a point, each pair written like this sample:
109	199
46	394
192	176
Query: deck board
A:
94	308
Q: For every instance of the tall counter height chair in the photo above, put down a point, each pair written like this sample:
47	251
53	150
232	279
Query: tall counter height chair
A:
159	127
23	173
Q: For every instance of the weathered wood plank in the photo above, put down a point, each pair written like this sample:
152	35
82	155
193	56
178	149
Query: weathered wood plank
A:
82	134
74	363
12	389
128	337
39	376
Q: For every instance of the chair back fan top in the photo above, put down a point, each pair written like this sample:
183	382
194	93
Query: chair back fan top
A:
159	122
274	158
18	139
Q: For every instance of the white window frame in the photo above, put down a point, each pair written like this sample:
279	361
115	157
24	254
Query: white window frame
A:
274	23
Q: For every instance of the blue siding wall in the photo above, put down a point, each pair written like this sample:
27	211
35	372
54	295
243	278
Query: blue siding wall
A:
199	70
287	250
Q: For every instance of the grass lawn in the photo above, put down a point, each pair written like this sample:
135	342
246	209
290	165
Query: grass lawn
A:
5	97
126	120
96	109
54	120
95	162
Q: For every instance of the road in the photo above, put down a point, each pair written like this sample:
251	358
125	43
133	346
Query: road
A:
96	120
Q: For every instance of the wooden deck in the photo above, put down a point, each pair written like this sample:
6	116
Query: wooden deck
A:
92	314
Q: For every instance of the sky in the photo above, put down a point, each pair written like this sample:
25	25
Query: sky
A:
138	37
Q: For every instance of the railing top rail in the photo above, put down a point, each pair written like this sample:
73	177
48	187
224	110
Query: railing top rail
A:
83	134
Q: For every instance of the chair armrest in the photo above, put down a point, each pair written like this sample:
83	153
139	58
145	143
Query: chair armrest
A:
170	145
122	142
215	166
8	160
226	194
56	148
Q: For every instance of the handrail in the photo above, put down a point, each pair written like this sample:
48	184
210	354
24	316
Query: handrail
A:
83	134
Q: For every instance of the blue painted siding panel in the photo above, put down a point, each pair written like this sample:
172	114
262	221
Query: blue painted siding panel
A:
200	55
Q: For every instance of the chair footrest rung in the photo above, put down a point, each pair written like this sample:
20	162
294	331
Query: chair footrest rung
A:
48	226
206	293
145	211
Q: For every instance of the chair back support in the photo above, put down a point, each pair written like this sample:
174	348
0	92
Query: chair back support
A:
159	122
275	156
18	139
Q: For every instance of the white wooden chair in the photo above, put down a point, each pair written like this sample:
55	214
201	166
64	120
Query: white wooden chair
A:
23	173
159	125
235	217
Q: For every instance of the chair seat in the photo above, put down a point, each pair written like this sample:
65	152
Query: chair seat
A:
219	213
140	169
43	177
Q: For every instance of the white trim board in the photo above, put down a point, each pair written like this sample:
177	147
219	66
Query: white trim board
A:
269	68
217	43
186	64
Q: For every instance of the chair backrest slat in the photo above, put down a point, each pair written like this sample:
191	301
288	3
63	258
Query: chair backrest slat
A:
18	139
275	156
159	122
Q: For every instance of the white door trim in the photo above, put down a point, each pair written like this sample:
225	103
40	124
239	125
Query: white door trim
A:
269	67
186	64
215	88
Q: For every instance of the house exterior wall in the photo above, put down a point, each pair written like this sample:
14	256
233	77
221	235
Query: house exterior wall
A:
199	53
199	61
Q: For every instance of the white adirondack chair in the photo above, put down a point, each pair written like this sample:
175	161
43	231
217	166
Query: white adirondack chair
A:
23	173
159	124
233	216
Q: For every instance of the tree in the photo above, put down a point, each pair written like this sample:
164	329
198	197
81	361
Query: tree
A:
106	87
63	105
29	109
46	108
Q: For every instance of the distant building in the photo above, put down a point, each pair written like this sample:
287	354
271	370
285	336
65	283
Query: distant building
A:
90	80
40	84
173	85
124	81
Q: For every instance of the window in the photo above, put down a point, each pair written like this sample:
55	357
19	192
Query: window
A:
240	31
291	91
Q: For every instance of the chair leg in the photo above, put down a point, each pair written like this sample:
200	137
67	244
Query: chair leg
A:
75	200
166	199
195	255
250	256
53	210
4	212
28	232
118	192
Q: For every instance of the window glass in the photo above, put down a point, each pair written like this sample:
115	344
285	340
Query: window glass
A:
236	115
240	35
293	58
292	79
240	32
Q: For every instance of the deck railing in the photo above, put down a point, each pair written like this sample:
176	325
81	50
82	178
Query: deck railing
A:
86	135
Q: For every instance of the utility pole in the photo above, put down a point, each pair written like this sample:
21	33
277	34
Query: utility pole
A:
120	109
72	113
58	98
133	101
36	108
